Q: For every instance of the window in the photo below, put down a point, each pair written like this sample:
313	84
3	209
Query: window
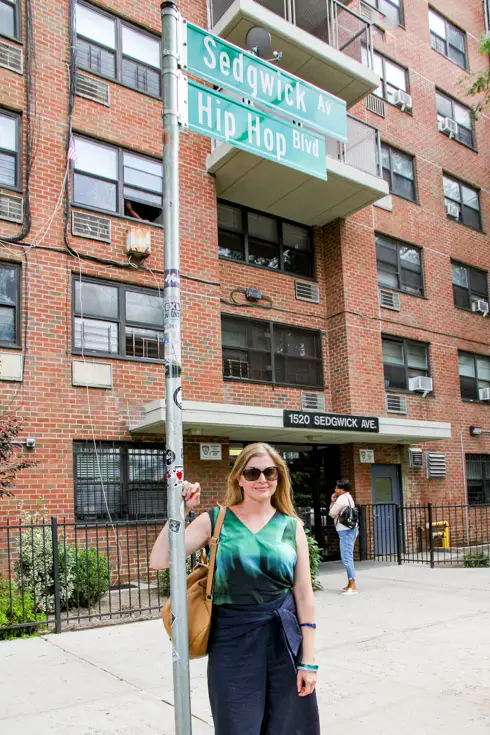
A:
469	285
399	265
393	77
9	304
447	39
447	107
112	48
126	481
9	150
398	171
403	359
114	180
268	352
266	241
462	202
9	18
478	478
474	375
117	320
391	9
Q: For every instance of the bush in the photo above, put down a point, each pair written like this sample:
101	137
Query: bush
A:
163	578
84	573
315	559
476	559
16	608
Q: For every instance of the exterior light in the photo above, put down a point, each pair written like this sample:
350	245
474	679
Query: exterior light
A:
475	430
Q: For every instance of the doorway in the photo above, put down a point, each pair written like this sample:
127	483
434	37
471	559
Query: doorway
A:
387	494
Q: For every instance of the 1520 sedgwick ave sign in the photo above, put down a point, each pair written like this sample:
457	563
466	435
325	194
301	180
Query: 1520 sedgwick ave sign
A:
220	62
331	421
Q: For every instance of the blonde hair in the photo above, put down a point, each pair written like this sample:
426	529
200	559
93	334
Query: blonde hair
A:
282	498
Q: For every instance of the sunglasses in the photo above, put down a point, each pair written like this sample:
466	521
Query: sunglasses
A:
253	473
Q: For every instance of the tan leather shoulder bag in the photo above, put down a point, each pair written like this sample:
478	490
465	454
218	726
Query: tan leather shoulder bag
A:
199	598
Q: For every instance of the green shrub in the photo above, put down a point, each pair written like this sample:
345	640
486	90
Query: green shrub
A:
17	608
476	559
90	574
163	578
315	559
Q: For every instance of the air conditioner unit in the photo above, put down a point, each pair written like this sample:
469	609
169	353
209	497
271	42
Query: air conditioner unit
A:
312	401
481	306
389	299
415	457
402	99
484	394
396	404
448	126
452	210
420	384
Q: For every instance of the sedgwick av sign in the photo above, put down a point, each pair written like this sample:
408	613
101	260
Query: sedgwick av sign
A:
331	421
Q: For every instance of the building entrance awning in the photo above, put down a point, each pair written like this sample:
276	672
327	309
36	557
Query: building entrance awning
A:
260	423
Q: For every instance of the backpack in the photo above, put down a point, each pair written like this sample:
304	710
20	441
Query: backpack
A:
349	516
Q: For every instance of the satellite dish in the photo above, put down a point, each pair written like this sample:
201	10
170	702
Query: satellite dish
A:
258	41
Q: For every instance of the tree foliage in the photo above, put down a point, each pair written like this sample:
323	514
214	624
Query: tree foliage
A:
11	459
481	80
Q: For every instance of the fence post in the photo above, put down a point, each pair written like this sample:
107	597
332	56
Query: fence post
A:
399	531
362	533
431	540
56	574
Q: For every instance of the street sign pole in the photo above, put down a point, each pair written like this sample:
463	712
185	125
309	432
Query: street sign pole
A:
173	367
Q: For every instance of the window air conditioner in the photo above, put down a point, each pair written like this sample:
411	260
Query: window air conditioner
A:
481	306
420	384
452	210
484	394
402	100
448	126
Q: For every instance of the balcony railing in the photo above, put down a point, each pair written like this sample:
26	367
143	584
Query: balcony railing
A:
328	20
362	150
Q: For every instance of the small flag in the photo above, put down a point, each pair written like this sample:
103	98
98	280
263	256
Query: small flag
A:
72	151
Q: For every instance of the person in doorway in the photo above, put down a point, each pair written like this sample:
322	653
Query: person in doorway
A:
340	500
261	668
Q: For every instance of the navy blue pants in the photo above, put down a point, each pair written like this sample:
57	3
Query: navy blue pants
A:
252	673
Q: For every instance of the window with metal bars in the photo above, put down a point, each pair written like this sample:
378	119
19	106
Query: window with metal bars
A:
112	48
10	138
403	359
447	39
117	319
119	480
267	352
265	241
399	265
478	478
469	285
474	375
9	18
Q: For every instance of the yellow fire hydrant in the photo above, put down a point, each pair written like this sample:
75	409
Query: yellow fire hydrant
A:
443	533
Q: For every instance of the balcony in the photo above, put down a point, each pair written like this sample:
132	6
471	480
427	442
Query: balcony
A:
353	170
322	41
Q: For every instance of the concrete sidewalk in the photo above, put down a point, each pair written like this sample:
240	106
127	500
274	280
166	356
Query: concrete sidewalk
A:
409	655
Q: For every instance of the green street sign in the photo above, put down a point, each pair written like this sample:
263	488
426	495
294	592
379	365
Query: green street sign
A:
226	65
214	114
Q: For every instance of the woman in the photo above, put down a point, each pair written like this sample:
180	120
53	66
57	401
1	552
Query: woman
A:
261	667
341	499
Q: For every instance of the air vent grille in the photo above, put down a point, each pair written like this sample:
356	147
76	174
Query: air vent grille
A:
11	57
312	401
389	300
91	88
11	208
376	105
396	404
415	457
436	464
305	291
91	226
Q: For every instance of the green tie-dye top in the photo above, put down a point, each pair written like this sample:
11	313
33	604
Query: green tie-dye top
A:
253	568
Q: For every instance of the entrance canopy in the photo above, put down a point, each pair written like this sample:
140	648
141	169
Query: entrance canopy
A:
256	423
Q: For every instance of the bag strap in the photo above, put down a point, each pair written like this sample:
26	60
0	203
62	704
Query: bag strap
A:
214	548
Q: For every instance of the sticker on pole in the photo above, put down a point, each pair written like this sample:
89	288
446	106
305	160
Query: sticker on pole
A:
174	526
171	278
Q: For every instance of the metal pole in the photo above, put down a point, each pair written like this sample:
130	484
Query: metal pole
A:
431	540
173	382
56	574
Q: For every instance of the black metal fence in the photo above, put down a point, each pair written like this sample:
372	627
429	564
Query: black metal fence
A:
451	535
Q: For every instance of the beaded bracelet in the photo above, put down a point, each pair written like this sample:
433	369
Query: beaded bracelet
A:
307	625
308	667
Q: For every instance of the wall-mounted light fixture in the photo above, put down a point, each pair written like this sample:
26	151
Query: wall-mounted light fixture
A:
29	443
478	431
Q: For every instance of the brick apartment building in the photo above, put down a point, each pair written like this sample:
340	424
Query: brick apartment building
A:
373	284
